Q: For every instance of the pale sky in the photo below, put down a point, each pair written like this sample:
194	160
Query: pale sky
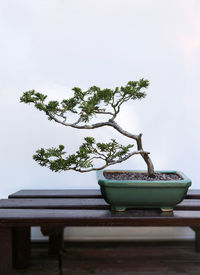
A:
54	45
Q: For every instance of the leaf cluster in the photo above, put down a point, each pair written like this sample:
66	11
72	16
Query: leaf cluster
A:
89	103
56	159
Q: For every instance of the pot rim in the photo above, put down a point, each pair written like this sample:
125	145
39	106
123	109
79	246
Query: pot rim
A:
184	182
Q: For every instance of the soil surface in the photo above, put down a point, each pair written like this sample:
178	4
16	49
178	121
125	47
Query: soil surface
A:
140	176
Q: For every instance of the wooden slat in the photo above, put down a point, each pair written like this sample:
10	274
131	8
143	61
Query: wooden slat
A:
76	193
188	204
193	194
61	193
67	217
81	203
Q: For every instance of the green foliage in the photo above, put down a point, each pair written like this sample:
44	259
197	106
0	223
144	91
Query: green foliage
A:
56	159
89	103
86	105
69	105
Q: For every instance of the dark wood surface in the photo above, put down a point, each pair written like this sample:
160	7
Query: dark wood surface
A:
131	258
54	209
57	193
78	203
76	193
117	258
5	251
193	194
21	246
79	217
87	208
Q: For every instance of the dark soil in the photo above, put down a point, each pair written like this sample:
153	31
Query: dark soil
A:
140	176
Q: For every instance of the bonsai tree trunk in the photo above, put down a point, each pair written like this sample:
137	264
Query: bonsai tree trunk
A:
145	156
138	139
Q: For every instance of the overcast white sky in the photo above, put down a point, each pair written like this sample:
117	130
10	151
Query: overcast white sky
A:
54	45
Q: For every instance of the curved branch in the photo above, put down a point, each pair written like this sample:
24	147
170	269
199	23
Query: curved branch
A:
74	125
110	123
104	113
138	139
123	132
109	163
113	124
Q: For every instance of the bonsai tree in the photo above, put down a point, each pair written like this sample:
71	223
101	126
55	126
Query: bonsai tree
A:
86	105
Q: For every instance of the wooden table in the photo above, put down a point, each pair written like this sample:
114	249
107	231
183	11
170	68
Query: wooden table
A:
55	209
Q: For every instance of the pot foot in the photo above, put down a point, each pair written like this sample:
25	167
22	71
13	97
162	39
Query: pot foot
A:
166	209
118	208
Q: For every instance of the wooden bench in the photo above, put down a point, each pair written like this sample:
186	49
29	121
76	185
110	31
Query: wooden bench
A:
55	209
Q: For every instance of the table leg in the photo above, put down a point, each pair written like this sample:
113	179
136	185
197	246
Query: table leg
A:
21	247
197	238
55	234
5	251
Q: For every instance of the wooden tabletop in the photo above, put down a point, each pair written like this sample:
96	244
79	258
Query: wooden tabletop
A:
79	217
77	203
76	193
75	207
57	193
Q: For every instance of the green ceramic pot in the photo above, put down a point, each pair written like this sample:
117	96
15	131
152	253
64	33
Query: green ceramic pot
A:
123	194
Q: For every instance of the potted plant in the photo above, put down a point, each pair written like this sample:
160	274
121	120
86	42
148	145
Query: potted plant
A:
121	189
